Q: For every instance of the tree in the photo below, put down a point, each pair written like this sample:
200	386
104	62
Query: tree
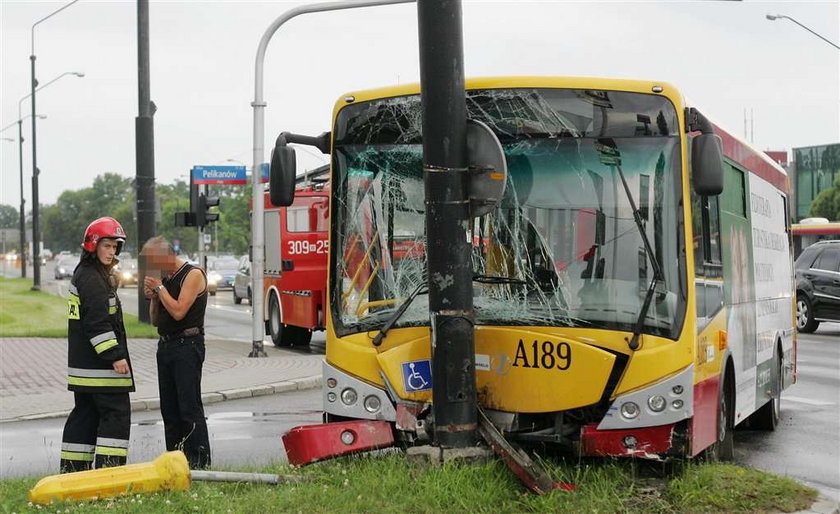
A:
827	203
113	195
64	222
9	216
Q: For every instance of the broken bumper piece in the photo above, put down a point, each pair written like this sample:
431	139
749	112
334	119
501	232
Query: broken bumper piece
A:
311	443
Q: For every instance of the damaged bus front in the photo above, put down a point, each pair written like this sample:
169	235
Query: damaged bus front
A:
580	272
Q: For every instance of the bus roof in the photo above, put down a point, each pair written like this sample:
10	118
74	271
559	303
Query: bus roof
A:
751	159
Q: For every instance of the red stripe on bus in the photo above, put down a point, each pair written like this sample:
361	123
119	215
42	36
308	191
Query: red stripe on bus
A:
704	422
817	230
754	161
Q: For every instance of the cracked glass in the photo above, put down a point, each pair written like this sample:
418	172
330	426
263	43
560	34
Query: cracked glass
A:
560	249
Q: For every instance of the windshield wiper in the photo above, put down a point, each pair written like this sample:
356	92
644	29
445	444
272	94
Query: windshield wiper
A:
377	340
657	271
421	289
496	279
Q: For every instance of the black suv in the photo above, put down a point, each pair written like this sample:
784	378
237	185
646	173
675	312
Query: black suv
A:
817	285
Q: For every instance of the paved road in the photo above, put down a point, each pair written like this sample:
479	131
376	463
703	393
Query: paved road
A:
243	433
806	444
224	319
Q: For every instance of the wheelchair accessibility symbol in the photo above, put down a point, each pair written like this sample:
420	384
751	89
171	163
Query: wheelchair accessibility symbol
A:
417	375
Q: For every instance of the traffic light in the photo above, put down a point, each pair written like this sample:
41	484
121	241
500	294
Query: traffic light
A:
203	214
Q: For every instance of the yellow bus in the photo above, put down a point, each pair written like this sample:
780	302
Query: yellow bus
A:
627	302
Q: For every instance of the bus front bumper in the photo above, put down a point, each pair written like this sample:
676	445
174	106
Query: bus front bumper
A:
645	442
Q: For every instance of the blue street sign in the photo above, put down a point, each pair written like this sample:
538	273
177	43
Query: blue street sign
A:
219	175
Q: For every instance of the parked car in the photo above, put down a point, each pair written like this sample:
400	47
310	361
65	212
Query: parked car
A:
65	265
817	272
220	274
127	271
242	281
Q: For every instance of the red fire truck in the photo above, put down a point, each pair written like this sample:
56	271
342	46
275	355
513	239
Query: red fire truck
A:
296	248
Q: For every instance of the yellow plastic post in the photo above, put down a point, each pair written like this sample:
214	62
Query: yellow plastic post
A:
169	472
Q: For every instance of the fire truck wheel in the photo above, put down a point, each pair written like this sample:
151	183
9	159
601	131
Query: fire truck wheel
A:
275	323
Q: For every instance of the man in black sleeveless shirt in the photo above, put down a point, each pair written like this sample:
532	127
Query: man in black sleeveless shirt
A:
177	304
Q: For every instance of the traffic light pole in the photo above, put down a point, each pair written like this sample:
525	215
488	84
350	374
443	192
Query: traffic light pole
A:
445	161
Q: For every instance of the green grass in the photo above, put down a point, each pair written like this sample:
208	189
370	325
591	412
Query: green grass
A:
391	484
25	313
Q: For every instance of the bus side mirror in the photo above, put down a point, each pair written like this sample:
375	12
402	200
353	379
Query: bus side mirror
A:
281	181
707	164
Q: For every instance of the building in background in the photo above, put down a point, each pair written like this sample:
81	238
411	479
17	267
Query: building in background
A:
813	170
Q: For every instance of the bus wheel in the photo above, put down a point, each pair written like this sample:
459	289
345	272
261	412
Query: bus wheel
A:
724	448
275	324
805	321
767	417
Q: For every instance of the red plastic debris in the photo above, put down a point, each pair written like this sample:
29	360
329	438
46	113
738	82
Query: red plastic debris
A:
311	443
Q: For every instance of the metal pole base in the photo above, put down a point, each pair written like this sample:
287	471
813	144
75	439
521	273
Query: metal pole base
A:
35	288
257	350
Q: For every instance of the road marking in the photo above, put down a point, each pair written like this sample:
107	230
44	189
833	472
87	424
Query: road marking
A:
230	309
806	401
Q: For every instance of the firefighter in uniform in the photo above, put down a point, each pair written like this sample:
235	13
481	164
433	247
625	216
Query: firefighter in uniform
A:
99	370
177	308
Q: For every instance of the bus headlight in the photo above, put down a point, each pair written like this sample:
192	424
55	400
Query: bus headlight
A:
349	396
677	404
372	403
331	397
657	403
629	410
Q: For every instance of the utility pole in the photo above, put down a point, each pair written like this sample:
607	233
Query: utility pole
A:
36	235
445	163
145	154
22	201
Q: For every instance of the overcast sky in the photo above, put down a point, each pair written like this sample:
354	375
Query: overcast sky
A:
724	56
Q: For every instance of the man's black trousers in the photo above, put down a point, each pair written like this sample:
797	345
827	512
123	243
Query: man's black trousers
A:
179	363
97	430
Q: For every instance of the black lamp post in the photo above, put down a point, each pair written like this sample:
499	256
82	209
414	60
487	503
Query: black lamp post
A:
36	236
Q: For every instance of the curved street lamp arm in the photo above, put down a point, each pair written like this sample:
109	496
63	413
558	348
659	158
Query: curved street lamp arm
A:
45	18
772	17
20	102
258	105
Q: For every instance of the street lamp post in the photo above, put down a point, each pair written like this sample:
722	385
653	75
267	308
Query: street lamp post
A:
36	272
22	229
258	105
20	161
773	17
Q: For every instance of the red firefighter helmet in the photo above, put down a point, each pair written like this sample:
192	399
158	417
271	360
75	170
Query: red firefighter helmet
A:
105	227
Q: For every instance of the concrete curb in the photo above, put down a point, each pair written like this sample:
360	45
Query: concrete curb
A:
145	404
822	505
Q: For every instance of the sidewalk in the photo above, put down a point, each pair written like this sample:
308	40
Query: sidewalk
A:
33	375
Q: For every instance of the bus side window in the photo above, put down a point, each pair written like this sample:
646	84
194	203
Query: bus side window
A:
708	266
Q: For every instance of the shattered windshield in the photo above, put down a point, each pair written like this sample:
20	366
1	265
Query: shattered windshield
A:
561	249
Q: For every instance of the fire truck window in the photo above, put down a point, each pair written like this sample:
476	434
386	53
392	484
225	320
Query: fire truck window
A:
308	215
297	219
